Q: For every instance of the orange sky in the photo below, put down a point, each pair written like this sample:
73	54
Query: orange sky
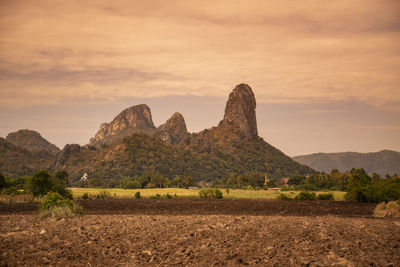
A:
315	56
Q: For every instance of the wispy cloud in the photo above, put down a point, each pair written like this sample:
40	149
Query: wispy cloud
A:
287	51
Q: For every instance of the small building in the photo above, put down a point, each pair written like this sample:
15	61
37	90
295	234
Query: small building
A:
285	181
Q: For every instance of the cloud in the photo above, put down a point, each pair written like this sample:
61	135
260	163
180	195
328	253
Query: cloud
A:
289	52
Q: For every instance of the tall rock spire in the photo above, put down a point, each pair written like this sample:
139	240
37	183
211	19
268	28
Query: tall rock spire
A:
240	111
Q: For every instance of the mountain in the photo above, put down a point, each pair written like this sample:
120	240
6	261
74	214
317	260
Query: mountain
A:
25	151
136	119
174	130
131	145
382	162
32	141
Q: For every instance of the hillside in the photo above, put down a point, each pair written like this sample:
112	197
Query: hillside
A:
131	145
32	141
16	161
382	162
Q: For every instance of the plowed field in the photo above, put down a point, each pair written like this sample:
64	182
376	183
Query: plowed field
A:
201	233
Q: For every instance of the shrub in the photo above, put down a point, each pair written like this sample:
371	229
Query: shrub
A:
53	199
373	191
284	197
168	196
305	195
60	188
227	191
2	181
85	195
55	205
103	194
327	196
137	195
210	193
156	196
390	209
12	191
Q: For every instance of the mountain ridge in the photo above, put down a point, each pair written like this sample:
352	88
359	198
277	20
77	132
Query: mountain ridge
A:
131	145
382	162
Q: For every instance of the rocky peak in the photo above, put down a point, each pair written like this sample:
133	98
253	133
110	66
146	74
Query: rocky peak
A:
32	141
136	117
174	130
240	111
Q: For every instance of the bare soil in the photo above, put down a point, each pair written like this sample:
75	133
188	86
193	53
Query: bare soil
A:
205	233
196	206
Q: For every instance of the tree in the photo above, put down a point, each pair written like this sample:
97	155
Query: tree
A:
188	180
2	181
63	177
39	184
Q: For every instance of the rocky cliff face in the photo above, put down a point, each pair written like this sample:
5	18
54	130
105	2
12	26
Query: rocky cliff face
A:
32	141
68	151
131	119
240	111
174	130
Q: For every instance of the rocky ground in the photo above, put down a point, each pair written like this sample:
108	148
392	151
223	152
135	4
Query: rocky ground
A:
199	240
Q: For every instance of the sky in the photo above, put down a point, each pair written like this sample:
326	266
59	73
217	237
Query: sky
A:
326	74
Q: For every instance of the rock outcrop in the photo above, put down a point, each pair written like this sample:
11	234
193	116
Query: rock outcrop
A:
240	111
32	141
174	131
136	118
68	151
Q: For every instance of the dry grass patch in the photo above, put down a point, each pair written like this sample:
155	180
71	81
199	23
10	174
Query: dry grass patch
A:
390	209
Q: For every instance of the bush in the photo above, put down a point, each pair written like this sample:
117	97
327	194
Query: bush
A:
137	195
305	195
12	191
60	188
168	196
53	199
85	195
284	197
156	196
390	209
103	194
55	205
363	189
2	181
327	196
210	193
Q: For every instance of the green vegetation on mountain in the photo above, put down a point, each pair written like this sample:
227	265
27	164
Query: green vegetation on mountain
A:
16	161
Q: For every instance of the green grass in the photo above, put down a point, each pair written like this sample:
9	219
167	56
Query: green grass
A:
181	192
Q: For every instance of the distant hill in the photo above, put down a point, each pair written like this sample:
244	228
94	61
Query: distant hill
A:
32	141
17	161
382	162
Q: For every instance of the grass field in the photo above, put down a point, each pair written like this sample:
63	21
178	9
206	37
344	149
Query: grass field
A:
181	192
